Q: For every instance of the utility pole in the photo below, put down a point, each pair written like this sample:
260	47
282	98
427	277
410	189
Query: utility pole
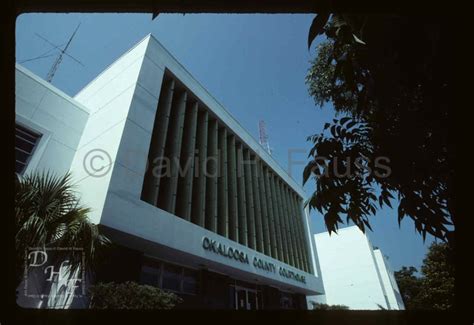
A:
63	52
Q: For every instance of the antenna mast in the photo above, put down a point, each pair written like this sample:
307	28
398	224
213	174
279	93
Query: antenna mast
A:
56	64
264	137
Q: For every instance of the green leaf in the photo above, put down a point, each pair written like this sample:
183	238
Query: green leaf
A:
358	40
387	201
367	224
317	27
401	212
372	209
308	170
344	120
312	151
351	124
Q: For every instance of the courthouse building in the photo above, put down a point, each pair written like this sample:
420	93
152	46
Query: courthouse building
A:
193	201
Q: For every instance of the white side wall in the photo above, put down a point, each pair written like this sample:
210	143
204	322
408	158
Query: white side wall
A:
60	120
315	262
119	128
311	244
349	270
389	282
45	109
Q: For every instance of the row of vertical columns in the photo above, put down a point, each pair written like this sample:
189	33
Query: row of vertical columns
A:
259	232
199	203
212	180
152	179
271	214
276	219
294	217
167	195
300	234
265	213
242	200
222	184
249	191
185	186
232	181
211	177
304	234
291	220
285	239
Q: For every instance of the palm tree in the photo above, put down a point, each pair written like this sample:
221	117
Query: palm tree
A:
48	214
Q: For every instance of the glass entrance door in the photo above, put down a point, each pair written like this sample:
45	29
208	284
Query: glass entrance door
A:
246	299
252	300
241	299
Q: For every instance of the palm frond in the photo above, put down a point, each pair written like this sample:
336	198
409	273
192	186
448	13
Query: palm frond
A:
48	214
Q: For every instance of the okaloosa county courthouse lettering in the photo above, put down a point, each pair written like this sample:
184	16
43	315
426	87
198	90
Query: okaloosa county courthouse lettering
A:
242	257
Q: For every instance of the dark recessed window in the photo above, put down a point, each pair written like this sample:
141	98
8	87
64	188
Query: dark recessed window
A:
25	144
150	275
286	301
171	277
190	281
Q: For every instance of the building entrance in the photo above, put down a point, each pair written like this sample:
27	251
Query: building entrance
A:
246	299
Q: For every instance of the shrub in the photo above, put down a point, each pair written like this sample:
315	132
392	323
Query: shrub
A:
131	295
319	306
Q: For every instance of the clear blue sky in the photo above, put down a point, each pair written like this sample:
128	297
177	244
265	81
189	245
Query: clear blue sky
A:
254	65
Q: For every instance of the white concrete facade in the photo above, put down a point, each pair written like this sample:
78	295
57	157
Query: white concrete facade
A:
112	118
354	274
59	119
388	279
122	101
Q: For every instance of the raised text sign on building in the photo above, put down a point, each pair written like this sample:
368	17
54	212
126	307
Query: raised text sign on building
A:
242	257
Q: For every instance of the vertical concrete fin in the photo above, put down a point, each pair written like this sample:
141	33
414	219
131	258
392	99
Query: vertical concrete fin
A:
296	232
252	238
271	213
232	172
301	234
265	217
185	185
151	185
292	247
242	200
284	226
173	151
211	176
257	205
222	204
276	218
306	239
199	191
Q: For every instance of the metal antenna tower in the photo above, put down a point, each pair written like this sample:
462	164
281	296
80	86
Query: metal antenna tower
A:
63	52
264	137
